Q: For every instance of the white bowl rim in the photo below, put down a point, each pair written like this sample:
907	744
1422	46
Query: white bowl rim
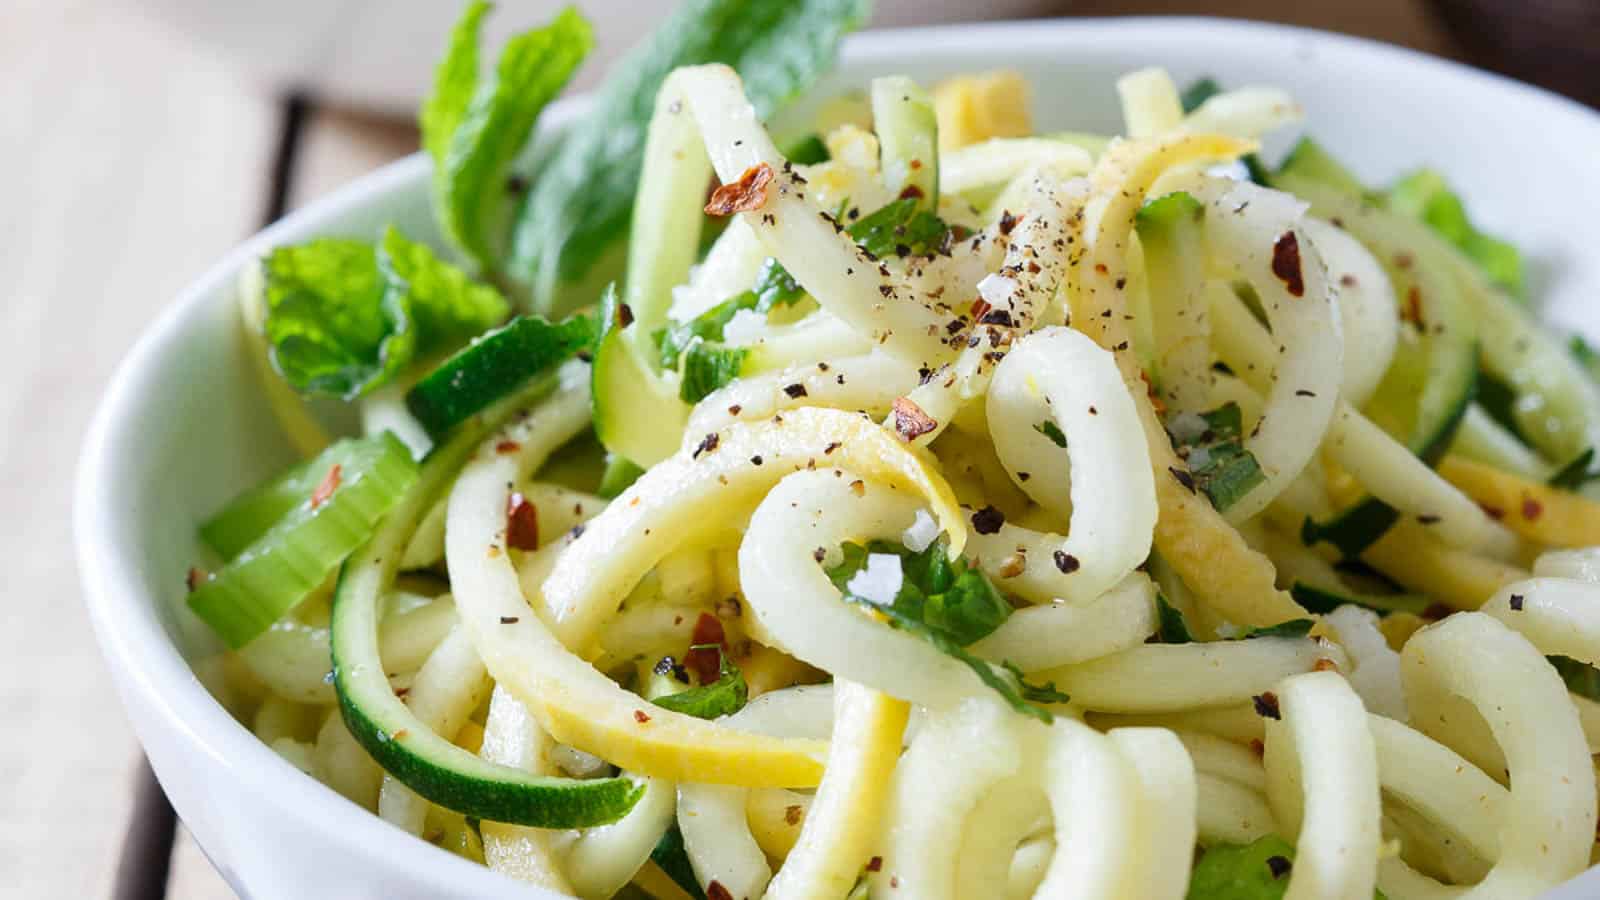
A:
142	656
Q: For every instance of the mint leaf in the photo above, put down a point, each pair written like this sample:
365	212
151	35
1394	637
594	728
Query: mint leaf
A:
475	128
950	605
773	287
332	323
673	859
583	196
1198	92
900	228
1256	871
1051	430
1575	474
722	697
1586	356
707	367
1216	456
807	151
1426	196
448	306
1294	628
1171	628
1581	678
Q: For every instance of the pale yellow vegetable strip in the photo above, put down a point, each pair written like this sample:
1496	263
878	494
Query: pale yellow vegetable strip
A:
1419	562
1207	553
577	704
699	489
843	822
1536	511
1156	678
1168	798
512	737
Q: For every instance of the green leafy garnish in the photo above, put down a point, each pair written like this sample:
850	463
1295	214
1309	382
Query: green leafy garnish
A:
900	228
1425	195
707	367
1218	461
1294	628
1586	356
807	151
1581	678
1256	871
1171	628
1051	430
583	195
949	604
1574	475
343	317
773	287
1321	600
725	696
475	128
1198	92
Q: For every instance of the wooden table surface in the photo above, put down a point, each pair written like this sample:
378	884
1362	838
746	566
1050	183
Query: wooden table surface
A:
131	160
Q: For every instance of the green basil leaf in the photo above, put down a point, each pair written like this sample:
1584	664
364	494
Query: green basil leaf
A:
1171	627
900	228
1256	871
1217	459
1294	628
725	696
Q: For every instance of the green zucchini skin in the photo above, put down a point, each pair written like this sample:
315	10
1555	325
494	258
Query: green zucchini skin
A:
1431	383
406	748
500	360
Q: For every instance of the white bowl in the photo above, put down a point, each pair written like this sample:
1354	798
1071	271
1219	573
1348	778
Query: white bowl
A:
182	427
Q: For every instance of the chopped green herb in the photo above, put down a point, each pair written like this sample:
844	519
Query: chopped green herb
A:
673	859
725	696
1581	678
475	128
1577	473
1322	601
1198	92
1294	628
1256	871
950	605
900	228
582	196
1217	459
1051	430
708	366
1171	628
1425	195
774	287
807	151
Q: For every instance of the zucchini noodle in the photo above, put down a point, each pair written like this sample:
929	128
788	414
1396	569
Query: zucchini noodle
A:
981	513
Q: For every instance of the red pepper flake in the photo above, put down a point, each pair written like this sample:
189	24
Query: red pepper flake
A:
1100	269
980	308
1066	562
1324	664
1266	704
399	735
832	446
911	191
735	409
1286	264
715	891
795	391
196	577
793	814
1413	310
1516	602
1531	508
1007	221
875	864
1257	747
1403	260
988	520
1348	281
707	444
819	554
1493	512
744	195
858	487
1435	611
706	643
330	483
641	716
1279	866
624	315
507	446
910	421
522	523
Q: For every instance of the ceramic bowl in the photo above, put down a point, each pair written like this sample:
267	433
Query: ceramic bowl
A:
182	427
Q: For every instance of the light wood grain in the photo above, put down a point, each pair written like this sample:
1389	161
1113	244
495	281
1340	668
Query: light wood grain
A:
131	163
